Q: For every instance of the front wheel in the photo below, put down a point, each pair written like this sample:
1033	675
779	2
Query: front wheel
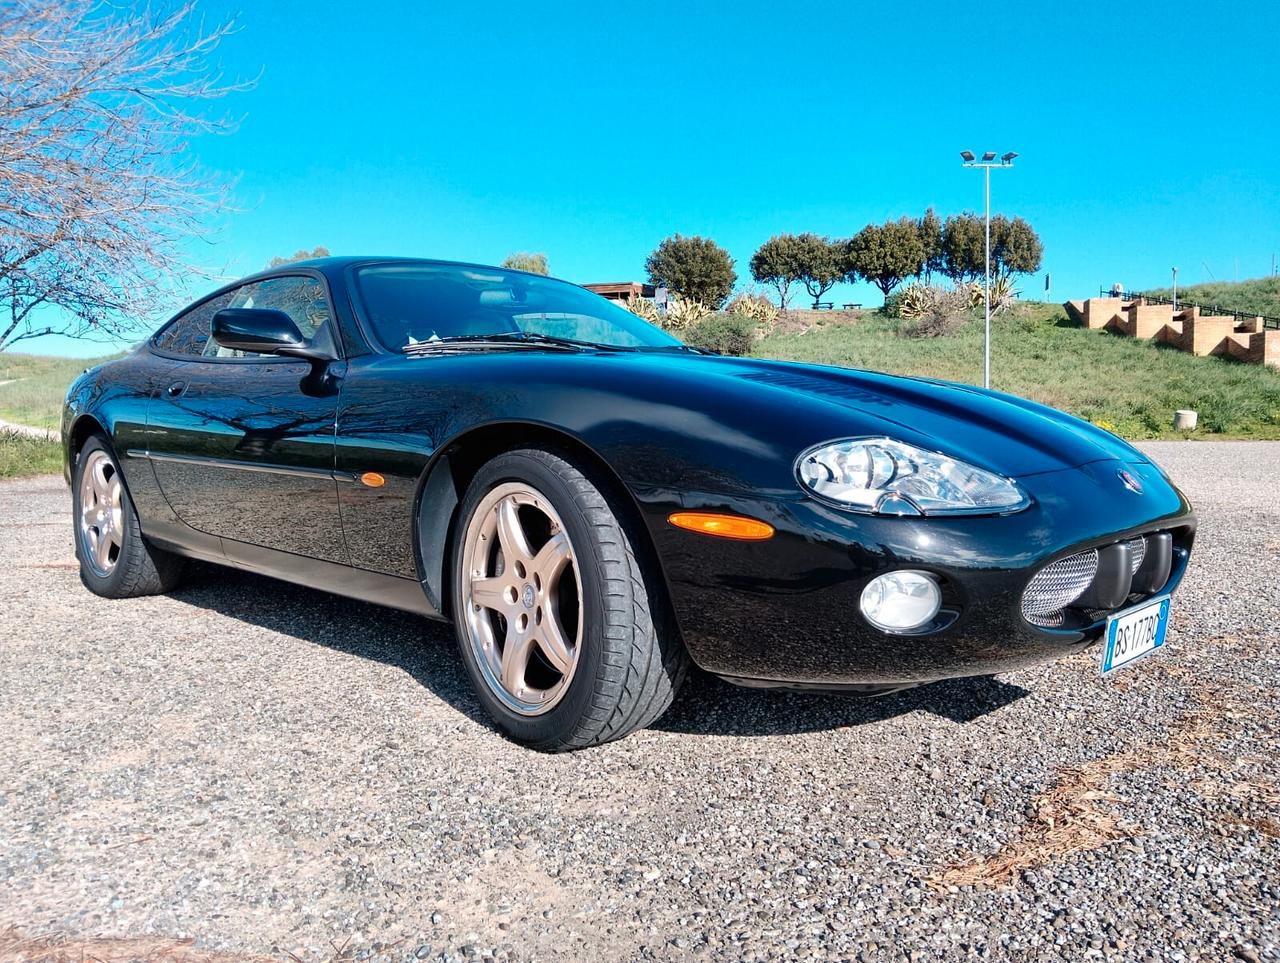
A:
563	633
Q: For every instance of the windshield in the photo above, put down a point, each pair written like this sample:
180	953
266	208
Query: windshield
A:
408	304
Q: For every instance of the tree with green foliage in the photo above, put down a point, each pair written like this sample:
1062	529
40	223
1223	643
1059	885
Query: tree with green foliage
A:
962	247
777	262
301	255
533	263
693	267
886	254
1015	247
929	227
820	264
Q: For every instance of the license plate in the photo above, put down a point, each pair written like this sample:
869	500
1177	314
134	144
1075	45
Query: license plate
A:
1135	633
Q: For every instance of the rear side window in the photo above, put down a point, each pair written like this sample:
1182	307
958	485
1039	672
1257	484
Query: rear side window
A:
189	333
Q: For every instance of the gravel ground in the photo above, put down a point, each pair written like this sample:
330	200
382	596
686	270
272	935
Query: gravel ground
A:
266	770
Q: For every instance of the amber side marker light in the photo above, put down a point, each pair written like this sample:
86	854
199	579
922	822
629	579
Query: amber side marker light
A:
372	479
725	526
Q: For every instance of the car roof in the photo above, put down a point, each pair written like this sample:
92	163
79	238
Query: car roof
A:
339	262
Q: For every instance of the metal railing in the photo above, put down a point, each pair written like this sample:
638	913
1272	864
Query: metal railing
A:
1267	320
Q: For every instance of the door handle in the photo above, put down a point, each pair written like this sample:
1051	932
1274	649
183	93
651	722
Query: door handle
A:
176	389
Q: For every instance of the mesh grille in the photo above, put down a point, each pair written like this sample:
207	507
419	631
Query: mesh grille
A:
1056	586
1137	551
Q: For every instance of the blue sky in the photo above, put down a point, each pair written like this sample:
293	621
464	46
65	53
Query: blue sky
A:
1147	133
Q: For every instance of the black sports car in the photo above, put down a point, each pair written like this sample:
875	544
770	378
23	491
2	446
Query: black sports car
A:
594	504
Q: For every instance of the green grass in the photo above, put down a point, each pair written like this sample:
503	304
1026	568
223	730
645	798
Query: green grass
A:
1258	296
38	386
21	457
1127	386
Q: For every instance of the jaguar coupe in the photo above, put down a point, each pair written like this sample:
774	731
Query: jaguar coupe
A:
597	506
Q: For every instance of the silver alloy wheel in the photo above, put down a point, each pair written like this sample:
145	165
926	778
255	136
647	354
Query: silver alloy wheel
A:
101	516
523	598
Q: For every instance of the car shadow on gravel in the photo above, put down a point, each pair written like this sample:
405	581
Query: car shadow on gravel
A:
427	651
709	706
422	647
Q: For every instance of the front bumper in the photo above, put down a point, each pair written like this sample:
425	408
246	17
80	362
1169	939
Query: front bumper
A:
785	611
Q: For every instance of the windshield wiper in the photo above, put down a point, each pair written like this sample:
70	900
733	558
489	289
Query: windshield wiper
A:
537	338
531	338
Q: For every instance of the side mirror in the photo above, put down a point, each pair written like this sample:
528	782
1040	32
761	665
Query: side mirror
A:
260	330
271	331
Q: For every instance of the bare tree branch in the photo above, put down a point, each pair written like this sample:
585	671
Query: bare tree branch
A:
98	188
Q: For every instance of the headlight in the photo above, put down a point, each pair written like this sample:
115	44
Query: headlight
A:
889	477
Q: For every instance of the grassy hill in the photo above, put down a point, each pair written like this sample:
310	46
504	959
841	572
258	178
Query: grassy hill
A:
1130	387
1258	296
36	385
33	396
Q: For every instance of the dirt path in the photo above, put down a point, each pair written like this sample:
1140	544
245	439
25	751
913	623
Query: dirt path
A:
47	434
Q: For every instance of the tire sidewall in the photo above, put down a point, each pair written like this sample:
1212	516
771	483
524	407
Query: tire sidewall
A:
555	725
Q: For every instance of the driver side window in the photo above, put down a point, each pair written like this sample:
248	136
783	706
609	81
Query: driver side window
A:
301	298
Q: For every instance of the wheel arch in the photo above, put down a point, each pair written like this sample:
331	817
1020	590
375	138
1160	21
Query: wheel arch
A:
81	429
445	479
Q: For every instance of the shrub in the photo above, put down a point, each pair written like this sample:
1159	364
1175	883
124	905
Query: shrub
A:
756	307
683	312
1003	293
942	313
642	308
912	301
728	334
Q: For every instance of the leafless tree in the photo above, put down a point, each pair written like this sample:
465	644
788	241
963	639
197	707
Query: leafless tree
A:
99	193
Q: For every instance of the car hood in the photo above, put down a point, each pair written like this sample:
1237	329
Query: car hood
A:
995	431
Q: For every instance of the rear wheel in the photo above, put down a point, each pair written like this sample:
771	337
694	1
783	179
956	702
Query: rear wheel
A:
564	636
115	561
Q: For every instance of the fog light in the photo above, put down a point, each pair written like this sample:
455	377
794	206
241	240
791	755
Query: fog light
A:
901	601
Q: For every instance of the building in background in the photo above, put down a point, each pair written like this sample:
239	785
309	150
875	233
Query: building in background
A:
621	290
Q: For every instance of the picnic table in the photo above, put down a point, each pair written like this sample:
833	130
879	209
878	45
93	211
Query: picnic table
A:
851	307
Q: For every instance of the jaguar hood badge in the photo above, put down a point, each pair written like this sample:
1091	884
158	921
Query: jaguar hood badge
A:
1130	481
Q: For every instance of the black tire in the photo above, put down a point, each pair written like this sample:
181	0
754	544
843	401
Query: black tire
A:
630	661
137	568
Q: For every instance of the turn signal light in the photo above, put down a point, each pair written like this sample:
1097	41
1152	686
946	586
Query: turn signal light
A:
372	479
725	526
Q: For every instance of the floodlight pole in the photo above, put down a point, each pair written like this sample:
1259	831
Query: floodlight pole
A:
986	287
988	161
1175	290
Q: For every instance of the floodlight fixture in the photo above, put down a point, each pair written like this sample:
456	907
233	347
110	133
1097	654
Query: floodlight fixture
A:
966	156
989	156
